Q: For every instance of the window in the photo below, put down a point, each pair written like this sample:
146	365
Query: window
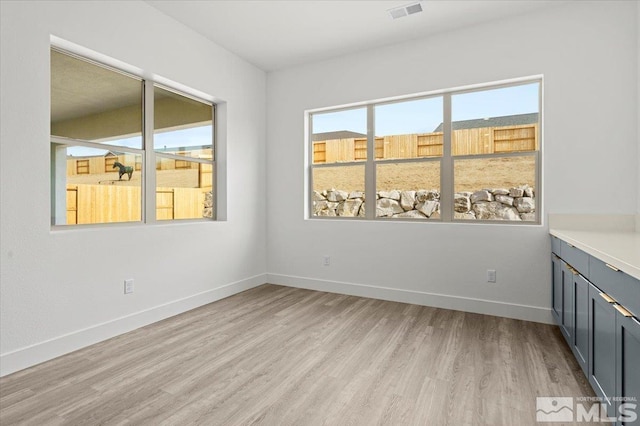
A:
100	153
461	156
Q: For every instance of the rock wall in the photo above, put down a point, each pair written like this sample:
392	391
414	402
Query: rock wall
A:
486	204
207	211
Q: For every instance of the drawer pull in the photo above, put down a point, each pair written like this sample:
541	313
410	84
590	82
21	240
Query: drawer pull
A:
570	245
612	267
623	311
608	298
573	270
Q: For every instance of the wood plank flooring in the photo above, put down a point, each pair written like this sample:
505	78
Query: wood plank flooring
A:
283	356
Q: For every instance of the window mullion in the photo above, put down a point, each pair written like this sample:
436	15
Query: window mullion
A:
149	175
370	166
446	167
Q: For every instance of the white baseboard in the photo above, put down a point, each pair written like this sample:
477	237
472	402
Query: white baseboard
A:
479	306
35	354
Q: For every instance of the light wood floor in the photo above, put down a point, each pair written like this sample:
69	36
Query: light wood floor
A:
283	356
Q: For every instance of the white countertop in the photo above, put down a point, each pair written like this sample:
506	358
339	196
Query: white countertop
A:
617	248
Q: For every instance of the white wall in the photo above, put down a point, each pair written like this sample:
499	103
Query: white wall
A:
588	54
61	290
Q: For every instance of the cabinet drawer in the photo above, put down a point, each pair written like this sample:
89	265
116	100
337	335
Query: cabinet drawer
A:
622	287
555	245
575	257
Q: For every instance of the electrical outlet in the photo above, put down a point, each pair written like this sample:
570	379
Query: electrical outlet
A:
491	275
326	260
128	286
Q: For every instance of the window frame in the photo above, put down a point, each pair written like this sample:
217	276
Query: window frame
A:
147	165
447	160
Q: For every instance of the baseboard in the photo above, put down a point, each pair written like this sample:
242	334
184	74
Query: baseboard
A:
487	307
35	354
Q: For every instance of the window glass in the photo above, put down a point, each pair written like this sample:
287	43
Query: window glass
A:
493	125
182	125
93	106
408	190
338	191
184	189
408	129
488	165
98	156
94	103
495	121
183	131
340	136
95	193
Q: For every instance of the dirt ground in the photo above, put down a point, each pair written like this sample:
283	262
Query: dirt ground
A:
469	175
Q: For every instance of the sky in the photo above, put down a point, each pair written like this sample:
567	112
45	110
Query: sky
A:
195	136
424	115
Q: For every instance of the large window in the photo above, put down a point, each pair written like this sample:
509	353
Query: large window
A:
468	156
106	168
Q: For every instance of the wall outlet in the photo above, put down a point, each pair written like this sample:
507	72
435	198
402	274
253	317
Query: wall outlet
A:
491	275
326	260
128	286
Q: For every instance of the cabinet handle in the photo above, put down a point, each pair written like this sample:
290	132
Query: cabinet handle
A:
623	311
570	245
573	270
612	267
608	298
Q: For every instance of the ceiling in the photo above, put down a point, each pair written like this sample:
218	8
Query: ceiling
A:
276	34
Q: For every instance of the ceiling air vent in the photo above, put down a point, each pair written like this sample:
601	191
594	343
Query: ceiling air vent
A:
408	9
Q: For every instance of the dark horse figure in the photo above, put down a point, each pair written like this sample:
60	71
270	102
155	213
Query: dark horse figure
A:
123	169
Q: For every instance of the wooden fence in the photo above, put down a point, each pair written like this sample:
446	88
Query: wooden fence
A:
485	140
104	163
111	203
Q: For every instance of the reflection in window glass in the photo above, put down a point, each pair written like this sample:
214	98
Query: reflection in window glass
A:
98	186
184	192
183	130
340	136
182	125
94	103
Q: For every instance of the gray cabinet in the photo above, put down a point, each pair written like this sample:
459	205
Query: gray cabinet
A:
566	317
562	297
556	287
597	308
627	367
602	347
580	341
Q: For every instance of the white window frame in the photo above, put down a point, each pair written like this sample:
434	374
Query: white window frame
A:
148	153
446	160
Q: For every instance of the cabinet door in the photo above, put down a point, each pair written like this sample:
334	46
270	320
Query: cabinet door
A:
580	342
556	288
566	313
628	368
602	348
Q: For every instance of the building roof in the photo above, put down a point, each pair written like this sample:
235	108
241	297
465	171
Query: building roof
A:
507	120
340	134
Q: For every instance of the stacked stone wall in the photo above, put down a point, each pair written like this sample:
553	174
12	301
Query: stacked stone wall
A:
515	204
